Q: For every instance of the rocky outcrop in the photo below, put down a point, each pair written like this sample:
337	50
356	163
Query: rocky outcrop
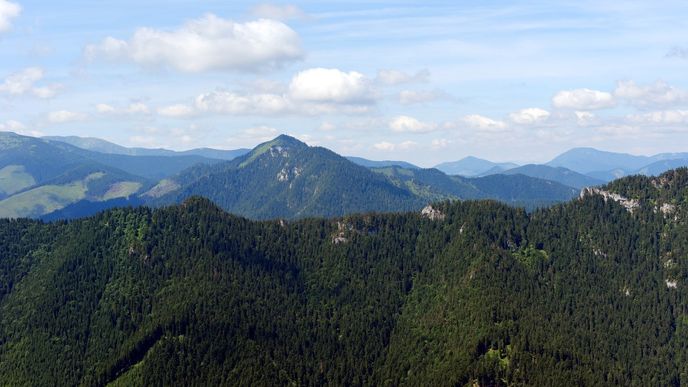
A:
629	204
432	213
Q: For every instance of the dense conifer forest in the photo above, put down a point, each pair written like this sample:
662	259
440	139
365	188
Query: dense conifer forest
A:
591	292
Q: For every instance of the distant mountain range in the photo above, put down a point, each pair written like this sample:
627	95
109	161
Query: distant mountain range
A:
102	146
70	177
578	167
285	178
473	166
380	164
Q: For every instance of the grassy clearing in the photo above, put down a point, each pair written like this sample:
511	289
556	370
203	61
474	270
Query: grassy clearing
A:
13	178
122	189
42	200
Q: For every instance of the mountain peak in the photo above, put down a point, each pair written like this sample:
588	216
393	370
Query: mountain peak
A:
284	139
279	146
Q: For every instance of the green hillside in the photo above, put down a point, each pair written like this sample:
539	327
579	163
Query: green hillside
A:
286	178
591	292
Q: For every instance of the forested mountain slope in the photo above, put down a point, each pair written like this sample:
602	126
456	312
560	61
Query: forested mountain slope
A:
591	292
285	178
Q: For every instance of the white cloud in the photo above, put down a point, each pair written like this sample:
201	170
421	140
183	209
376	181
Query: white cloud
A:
529	116
331	86
176	111
12	126
408	97
136	108
666	117
619	130
278	12
408	124
389	147
310	92
8	11
384	146
103	108
483	123
583	99
204	44
396	77
440	143
584	118
226	102
657	94
24	82
64	116
19	128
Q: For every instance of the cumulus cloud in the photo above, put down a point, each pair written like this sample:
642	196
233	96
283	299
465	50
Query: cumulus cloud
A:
227	102
12	126
440	143
331	86
8	11
666	117
657	94
24	83
529	116
278	12
396	77
389	147
205	44
583	99
584	118
104	108
408	124
136	108
176	111
310	92
477	121
19	128
64	116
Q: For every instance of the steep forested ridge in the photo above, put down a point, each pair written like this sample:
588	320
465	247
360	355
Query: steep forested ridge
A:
591	292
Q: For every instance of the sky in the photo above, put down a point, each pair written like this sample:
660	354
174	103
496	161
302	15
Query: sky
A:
424	82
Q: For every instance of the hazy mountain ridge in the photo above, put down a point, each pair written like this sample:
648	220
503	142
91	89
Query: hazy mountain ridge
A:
63	175
472	166
286	178
103	146
561	175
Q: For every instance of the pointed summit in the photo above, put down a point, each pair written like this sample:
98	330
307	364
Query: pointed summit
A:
281	145
286	140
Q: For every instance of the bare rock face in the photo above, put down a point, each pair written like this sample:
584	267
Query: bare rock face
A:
629	204
340	236
279	151
667	209
287	174
432	213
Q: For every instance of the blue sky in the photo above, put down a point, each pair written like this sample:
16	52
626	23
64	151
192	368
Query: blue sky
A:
424	82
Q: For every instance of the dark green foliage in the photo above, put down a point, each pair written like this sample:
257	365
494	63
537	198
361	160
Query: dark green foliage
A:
575	294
